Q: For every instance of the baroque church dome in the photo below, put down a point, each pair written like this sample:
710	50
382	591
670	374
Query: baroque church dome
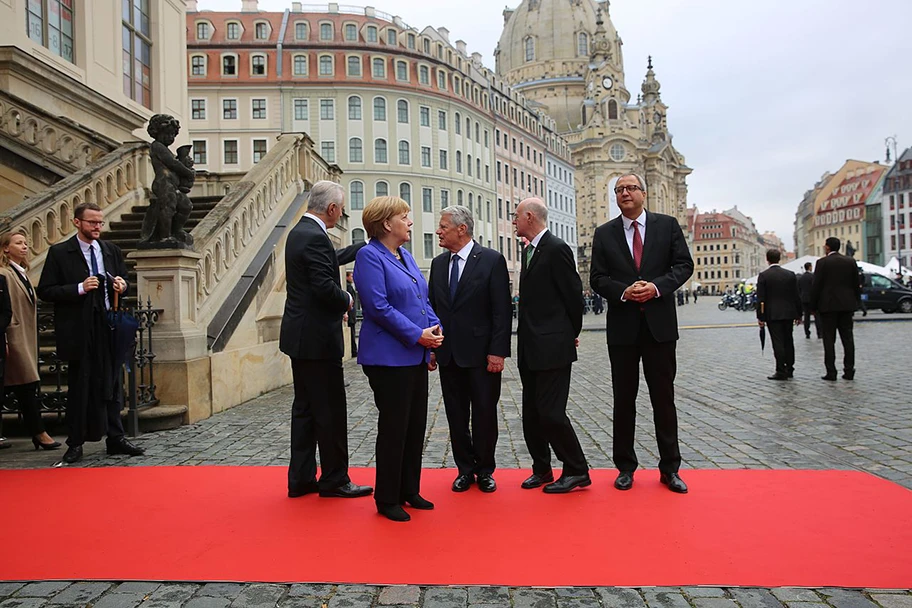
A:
544	52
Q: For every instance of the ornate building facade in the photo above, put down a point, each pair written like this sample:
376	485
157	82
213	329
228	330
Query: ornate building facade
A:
566	56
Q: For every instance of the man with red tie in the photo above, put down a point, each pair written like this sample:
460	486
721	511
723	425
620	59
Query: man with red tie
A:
639	260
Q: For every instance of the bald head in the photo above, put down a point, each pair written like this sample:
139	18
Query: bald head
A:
531	217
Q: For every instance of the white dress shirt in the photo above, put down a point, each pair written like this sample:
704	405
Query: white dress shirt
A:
460	258
628	233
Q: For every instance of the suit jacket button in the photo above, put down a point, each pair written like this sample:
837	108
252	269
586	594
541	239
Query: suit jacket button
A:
414	280
422	312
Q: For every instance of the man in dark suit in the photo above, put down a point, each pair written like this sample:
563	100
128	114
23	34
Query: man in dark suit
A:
834	298
639	260
311	335
550	319
805	284
81	277
779	310
469	289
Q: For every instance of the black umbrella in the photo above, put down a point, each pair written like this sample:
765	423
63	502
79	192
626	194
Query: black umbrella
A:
762	330
123	333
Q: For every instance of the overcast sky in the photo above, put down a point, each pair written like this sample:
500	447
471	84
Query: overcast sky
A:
764	95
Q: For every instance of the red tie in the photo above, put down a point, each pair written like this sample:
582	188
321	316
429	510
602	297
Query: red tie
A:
637	245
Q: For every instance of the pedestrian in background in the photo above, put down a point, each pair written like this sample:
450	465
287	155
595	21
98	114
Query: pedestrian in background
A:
834	296
805	286
779	309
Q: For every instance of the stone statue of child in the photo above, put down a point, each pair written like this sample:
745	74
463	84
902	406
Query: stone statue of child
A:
170	207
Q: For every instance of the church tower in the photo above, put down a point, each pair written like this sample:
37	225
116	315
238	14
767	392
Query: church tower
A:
567	56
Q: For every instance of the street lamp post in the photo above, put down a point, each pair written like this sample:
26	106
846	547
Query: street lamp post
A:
891	141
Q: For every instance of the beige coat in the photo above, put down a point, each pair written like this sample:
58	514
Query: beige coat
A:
22	334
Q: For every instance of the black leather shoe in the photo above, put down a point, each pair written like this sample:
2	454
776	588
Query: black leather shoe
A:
674	483
348	490
848	376
308	488
565	483
417	502
122	446
462	482
536	481
828	378
73	454
778	376
486	483
4	444
624	481
393	512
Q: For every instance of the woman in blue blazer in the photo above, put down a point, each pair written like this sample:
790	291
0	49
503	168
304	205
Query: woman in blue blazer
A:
398	330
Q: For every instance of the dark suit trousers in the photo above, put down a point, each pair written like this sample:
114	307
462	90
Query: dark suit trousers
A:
353	337
27	396
841	322
318	418
471	393
83	417
401	396
545	420
782	337
806	309
660	368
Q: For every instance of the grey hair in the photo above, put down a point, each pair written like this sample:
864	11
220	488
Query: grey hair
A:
460	215
638	177
323	194
538	208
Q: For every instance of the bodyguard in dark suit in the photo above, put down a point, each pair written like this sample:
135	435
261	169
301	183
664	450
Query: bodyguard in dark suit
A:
81	277
311	335
639	260
805	284
550	319
834	298
779	310
469	288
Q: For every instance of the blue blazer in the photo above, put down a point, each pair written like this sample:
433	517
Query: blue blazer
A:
394	302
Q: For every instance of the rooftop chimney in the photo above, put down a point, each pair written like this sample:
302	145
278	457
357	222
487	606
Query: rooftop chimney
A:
249	6
461	47
444	33
296	7
191	6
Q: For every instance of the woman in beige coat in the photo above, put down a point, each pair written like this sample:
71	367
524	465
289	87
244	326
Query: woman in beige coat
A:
21	375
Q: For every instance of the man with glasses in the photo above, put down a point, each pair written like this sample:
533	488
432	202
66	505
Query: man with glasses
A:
639	260
81	277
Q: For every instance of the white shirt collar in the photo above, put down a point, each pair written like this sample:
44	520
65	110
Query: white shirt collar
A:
641	220
85	246
538	237
18	267
317	220
465	251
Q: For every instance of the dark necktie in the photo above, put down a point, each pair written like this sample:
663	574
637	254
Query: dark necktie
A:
637	245
530	251
93	262
454	276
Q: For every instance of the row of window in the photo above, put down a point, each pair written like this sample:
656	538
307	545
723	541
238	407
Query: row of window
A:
716	247
531	154
263	29
520	178
712	274
258	110
582	46
562	174
229	151
560	202
902	200
404	157
712	260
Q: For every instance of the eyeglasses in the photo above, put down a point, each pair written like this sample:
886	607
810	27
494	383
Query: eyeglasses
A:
630	189
99	223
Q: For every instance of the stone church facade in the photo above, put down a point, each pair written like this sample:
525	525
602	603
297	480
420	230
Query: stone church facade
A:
567	56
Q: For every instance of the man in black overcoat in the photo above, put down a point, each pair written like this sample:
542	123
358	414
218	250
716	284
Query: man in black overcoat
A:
639	260
81	277
469	289
779	310
805	285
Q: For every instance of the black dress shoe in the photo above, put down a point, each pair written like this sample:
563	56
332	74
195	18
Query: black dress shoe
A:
624	481
393	512
120	445
307	488
348	490
46	446
417	502
536	481
674	482
462	482
73	454
828	378
486	483
565	483
4	444
848	376
778	376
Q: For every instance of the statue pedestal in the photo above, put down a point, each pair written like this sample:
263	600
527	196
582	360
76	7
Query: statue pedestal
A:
168	278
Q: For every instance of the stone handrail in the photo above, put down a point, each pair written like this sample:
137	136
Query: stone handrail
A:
116	178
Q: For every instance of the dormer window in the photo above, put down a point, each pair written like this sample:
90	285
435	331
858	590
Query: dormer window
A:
372	33
261	31
202	31
411	41
300	30
326	31
351	32
392	37
233	31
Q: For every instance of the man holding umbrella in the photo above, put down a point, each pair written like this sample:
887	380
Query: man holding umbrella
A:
82	276
779	309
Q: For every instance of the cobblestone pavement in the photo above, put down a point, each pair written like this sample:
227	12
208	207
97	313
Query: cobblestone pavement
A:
730	416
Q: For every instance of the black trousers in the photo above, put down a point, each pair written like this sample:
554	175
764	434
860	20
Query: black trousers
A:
806	310
400	394
660	368
470	394
545	420
86	419
353	337
841	322
318	418
782	336
27	397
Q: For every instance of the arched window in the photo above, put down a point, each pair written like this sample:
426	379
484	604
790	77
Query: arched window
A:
404	153
357	199
198	65
351	32
612	109
402	111
405	192
458	122
372	33
202	30
529	46
234	30
582	44
382	189
326	65
258	65
358	233
379	67
380	151
354	66
379	108
229	65
356	152
300	65
354	108
301	30
261	31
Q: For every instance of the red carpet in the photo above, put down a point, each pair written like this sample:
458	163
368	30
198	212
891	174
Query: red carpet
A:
735	528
